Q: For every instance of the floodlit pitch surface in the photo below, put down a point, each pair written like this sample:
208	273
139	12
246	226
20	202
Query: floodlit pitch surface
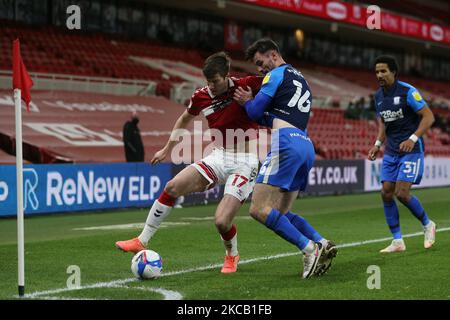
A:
192	253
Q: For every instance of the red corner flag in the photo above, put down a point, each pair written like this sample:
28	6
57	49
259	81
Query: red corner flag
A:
21	78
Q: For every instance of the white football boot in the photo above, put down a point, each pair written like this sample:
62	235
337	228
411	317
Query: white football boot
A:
330	252
310	261
430	234
397	245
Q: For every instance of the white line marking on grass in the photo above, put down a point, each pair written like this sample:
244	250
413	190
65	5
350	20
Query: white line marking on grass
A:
141	225
131	226
46	295
65	298
168	294
121	283
110	284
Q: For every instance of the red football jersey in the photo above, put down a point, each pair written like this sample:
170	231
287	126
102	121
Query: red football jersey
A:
222	112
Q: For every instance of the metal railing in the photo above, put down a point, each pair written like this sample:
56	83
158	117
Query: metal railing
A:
51	81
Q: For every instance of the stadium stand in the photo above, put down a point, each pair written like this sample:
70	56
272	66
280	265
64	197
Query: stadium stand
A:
6	158
74	128
338	138
54	51
80	128
366	79
51	50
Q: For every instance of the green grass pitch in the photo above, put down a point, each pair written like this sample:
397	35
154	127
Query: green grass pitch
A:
192	253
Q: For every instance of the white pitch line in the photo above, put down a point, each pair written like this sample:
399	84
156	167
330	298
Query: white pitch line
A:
109	284
121	283
131	226
168	294
141	225
65	298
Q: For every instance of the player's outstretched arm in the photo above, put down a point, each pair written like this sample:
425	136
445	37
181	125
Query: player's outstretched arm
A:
425	123
255	107
380	139
181	123
242	95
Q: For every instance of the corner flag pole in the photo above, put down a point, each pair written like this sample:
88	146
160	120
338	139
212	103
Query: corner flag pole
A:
19	177
22	84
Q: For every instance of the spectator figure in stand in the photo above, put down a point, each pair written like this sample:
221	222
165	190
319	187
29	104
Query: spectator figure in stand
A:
134	148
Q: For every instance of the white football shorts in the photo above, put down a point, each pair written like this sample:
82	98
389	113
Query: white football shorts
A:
236	170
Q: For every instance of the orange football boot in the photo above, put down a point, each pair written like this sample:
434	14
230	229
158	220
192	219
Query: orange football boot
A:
230	264
134	245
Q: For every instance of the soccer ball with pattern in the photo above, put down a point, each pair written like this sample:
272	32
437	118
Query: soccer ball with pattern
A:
146	264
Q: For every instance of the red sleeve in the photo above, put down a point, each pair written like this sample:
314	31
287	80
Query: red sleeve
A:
194	105
253	82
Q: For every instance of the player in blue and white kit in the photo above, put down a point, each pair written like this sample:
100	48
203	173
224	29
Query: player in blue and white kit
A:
284	104
404	117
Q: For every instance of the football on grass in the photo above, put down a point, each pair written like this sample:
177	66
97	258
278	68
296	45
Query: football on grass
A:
146	264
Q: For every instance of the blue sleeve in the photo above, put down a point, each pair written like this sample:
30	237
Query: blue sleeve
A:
377	106
415	100
255	108
272	81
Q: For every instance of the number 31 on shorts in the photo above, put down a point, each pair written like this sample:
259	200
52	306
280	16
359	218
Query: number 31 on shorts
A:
410	167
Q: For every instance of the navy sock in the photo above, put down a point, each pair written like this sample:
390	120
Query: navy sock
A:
417	210
285	229
392	218
304	227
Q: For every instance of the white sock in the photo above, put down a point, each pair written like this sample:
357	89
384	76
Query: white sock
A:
231	246
309	249
156	215
324	242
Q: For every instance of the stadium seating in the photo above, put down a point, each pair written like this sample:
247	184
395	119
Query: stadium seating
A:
73	127
6	158
51	50
367	79
335	137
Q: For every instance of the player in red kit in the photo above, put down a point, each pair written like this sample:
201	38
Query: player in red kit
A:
232	163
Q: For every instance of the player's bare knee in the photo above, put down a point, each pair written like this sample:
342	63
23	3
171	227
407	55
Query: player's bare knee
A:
387	196
172	189
284	209
223	224
255	212
259	213
402	196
